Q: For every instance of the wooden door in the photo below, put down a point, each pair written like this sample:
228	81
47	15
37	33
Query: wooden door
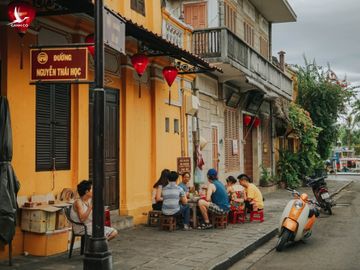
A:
196	15
215	148
111	145
248	152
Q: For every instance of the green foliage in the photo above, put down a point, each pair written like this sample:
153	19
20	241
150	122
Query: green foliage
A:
288	169
293	167
308	157
265	178
324	97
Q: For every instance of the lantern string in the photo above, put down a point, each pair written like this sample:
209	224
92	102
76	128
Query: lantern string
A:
169	95
21	51
139	87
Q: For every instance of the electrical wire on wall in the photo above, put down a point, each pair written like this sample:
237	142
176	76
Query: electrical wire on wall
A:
53	174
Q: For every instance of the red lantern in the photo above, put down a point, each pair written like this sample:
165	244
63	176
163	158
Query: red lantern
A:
91	48
170	74
256	122
247	120
139	62
21	14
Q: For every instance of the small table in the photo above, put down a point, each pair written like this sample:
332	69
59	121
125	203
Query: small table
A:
193	203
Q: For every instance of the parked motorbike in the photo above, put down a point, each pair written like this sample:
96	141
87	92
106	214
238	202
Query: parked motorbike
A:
297	219
321	193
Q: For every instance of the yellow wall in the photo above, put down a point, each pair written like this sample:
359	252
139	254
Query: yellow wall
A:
151	20
145	148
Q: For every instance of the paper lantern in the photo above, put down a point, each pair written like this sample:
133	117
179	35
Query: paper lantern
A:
170	74
91	48
139	62
247	120
21	14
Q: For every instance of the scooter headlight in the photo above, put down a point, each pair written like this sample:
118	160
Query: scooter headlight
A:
298	204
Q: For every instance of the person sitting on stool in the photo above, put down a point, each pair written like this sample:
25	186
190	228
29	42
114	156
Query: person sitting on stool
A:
254	199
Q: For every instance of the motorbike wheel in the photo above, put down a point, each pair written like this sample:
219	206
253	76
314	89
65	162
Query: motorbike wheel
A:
328	208
283	239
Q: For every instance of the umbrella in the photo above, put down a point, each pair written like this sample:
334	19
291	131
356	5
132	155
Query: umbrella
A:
9	185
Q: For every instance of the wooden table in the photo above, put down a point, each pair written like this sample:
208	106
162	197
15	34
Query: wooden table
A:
193	203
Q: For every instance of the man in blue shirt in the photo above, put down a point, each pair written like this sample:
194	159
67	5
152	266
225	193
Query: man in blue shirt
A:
184	183
172	196
217	200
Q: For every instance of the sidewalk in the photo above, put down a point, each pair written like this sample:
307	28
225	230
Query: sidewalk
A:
149	248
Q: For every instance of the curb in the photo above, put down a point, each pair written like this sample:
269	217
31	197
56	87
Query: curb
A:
261	241
246	251
341	188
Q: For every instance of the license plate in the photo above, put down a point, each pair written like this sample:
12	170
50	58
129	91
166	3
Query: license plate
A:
325	196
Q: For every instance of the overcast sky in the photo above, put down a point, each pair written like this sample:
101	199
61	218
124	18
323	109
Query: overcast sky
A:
327	30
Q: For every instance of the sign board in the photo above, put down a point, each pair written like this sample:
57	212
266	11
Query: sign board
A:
183	165
235	147
58	64
114	31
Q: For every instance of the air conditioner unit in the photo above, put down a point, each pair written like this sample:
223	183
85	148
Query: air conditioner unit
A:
192	104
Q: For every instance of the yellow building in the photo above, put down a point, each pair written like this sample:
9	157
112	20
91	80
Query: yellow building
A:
51	122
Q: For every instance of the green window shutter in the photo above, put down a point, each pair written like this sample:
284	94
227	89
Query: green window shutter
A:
52	127
61	127
43	128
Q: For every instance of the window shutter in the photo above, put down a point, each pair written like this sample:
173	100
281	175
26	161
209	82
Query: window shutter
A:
43	127
232	161
52	126
61	126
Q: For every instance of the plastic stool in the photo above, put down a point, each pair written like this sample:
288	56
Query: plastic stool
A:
257	216
238	216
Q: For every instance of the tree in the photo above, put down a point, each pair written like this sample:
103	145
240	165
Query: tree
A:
324	96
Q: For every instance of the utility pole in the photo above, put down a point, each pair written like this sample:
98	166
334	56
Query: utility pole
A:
97	254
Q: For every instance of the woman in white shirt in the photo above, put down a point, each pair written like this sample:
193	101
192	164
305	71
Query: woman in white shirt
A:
82	211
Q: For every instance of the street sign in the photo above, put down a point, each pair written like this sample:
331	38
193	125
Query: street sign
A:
183	165
58	64
114	31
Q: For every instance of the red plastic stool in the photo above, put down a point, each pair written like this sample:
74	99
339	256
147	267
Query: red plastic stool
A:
107	216
257	215
238	216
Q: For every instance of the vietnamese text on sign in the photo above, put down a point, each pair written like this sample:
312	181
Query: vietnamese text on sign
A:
60	64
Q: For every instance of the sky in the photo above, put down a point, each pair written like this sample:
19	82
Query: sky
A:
327	31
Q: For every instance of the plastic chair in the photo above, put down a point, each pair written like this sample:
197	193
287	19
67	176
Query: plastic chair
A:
74	235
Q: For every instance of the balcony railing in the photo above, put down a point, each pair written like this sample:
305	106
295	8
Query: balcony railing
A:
219	45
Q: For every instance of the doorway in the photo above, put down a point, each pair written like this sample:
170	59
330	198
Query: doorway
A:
111	145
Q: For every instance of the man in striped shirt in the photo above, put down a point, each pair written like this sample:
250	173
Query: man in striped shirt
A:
172	196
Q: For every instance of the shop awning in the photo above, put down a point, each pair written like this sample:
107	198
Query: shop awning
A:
160	46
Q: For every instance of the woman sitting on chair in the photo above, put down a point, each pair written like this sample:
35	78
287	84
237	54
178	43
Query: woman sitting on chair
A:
82	211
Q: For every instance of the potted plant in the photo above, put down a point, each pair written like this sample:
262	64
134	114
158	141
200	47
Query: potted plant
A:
265	178
287	168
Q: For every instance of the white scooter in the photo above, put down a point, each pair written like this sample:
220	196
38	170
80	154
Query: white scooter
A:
297	219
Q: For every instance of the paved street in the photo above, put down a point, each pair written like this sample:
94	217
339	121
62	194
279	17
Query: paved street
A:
334	244
149	248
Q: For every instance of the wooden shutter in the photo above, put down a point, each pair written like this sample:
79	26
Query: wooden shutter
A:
61	127
43	127
52	126
196	15
232	161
